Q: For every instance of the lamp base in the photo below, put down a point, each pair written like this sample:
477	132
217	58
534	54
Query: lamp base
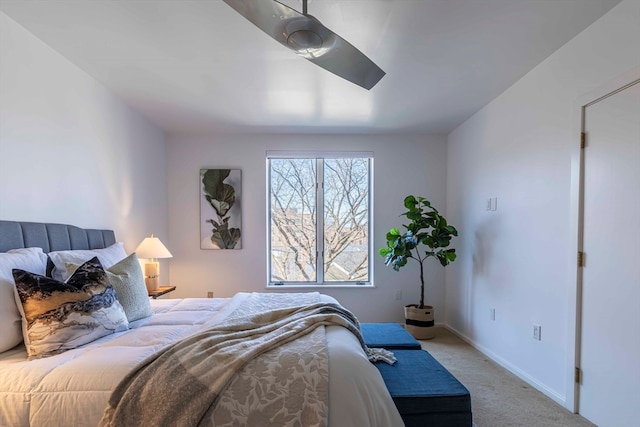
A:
153	283
152	276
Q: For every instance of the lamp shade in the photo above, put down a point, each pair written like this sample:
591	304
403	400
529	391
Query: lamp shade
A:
151	248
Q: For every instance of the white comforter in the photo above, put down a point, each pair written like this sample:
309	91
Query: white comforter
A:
72	388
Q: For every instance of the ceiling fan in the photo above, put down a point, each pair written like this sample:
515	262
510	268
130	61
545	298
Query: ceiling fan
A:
307	37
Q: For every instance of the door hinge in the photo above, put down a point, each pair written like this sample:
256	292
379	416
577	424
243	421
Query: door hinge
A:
581	257
578	375
583	139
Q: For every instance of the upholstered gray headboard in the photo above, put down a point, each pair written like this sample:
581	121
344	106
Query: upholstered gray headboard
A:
52	237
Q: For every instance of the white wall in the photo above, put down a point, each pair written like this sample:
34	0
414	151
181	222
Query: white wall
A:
70	151
402	165
519	259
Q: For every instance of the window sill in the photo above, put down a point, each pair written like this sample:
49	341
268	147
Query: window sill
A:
317	286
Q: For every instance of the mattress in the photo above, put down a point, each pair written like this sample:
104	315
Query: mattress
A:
72	388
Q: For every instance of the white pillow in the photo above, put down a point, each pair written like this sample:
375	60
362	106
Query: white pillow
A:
29	259
127	279
107	256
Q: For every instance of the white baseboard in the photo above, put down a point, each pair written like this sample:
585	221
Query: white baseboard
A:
509	367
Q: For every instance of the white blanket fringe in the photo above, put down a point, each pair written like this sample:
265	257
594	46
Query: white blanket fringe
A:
380	355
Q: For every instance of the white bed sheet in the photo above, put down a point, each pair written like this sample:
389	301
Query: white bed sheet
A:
72	388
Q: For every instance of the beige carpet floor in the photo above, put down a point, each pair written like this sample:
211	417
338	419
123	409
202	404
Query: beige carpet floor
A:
498	398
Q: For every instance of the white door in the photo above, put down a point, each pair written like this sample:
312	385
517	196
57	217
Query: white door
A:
609	393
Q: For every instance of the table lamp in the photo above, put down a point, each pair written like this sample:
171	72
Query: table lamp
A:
151	249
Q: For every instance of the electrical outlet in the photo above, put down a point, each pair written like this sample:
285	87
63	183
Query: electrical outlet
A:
398	295
537	332
493	314
210	294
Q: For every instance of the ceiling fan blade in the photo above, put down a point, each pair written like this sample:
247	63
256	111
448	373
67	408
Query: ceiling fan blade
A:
309	38
346	61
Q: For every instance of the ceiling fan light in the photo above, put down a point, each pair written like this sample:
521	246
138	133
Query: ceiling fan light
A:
306	43
304	39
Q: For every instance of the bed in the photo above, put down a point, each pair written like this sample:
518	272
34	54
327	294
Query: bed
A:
74	387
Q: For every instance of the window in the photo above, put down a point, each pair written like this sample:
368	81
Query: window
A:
319	218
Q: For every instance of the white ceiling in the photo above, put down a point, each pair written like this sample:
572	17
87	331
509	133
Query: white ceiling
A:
199	67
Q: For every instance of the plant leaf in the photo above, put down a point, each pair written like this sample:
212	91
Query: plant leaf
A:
409	202
221	196
224	237
428	228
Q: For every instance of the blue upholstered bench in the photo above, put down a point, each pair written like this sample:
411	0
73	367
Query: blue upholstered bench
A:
424	392
388	335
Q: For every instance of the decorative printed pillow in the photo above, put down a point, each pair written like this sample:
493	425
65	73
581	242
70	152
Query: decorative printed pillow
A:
58	316
127	279
107	256
31	259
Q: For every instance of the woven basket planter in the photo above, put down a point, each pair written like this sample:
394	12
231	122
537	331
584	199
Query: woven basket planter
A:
420	321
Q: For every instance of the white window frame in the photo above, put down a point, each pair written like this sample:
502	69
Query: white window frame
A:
319	156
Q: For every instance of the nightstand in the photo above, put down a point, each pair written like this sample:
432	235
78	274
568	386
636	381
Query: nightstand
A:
161	291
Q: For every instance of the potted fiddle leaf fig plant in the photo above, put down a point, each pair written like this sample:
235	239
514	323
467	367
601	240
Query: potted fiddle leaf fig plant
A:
427	235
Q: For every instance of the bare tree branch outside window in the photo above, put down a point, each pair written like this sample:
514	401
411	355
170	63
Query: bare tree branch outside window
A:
293	220
344	250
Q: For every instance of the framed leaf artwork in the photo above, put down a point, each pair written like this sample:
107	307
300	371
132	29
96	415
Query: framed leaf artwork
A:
220	209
